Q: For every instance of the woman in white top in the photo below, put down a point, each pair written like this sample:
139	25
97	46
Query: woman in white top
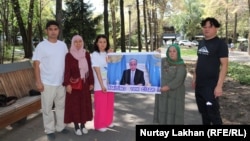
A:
103	100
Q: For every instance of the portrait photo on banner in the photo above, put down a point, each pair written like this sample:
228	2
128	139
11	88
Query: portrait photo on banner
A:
131	73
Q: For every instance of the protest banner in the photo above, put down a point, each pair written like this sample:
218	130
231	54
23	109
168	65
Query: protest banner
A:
146	78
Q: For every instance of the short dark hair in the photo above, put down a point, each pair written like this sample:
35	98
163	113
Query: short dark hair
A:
212	21
52	22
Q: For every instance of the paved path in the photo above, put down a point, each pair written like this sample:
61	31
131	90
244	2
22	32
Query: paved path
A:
239	56
130	110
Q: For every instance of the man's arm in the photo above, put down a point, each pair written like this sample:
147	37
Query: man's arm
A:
223	72
194	76
39	83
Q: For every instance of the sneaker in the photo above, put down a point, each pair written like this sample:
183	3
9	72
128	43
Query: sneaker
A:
84	130
111	125
78	132
51	136
65	131
102	129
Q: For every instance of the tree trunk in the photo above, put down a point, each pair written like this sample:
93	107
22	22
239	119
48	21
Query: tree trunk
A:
16	8
149	13
112	9
4	11
59	17
145	23
122	41
138	27
39	25
249	28
29	33
154	20
106	21
226	25
235	29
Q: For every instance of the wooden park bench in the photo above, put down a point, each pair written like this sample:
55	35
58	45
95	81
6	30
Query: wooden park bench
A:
17	79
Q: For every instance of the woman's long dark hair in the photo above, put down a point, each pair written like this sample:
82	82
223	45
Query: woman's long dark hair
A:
96	40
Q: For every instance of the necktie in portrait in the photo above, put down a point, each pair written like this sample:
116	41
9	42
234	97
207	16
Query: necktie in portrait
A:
132	78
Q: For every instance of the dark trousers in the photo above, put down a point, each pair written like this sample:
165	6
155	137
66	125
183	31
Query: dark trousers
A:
208	105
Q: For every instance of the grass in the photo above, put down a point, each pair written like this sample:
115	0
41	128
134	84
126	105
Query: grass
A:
239	72
189	51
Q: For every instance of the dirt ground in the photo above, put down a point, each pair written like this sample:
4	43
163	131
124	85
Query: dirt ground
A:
235	101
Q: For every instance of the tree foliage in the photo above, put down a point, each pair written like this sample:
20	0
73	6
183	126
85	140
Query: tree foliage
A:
187	17
78	19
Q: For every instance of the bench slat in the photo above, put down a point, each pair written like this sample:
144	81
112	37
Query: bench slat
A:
18	114
17	79
18	83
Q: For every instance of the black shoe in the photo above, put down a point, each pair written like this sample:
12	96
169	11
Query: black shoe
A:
51	136
65	131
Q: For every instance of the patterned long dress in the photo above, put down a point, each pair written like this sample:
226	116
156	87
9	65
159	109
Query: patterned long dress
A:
169	106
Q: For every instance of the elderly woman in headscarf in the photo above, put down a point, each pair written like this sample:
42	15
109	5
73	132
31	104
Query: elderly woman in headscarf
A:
169	105
78	104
